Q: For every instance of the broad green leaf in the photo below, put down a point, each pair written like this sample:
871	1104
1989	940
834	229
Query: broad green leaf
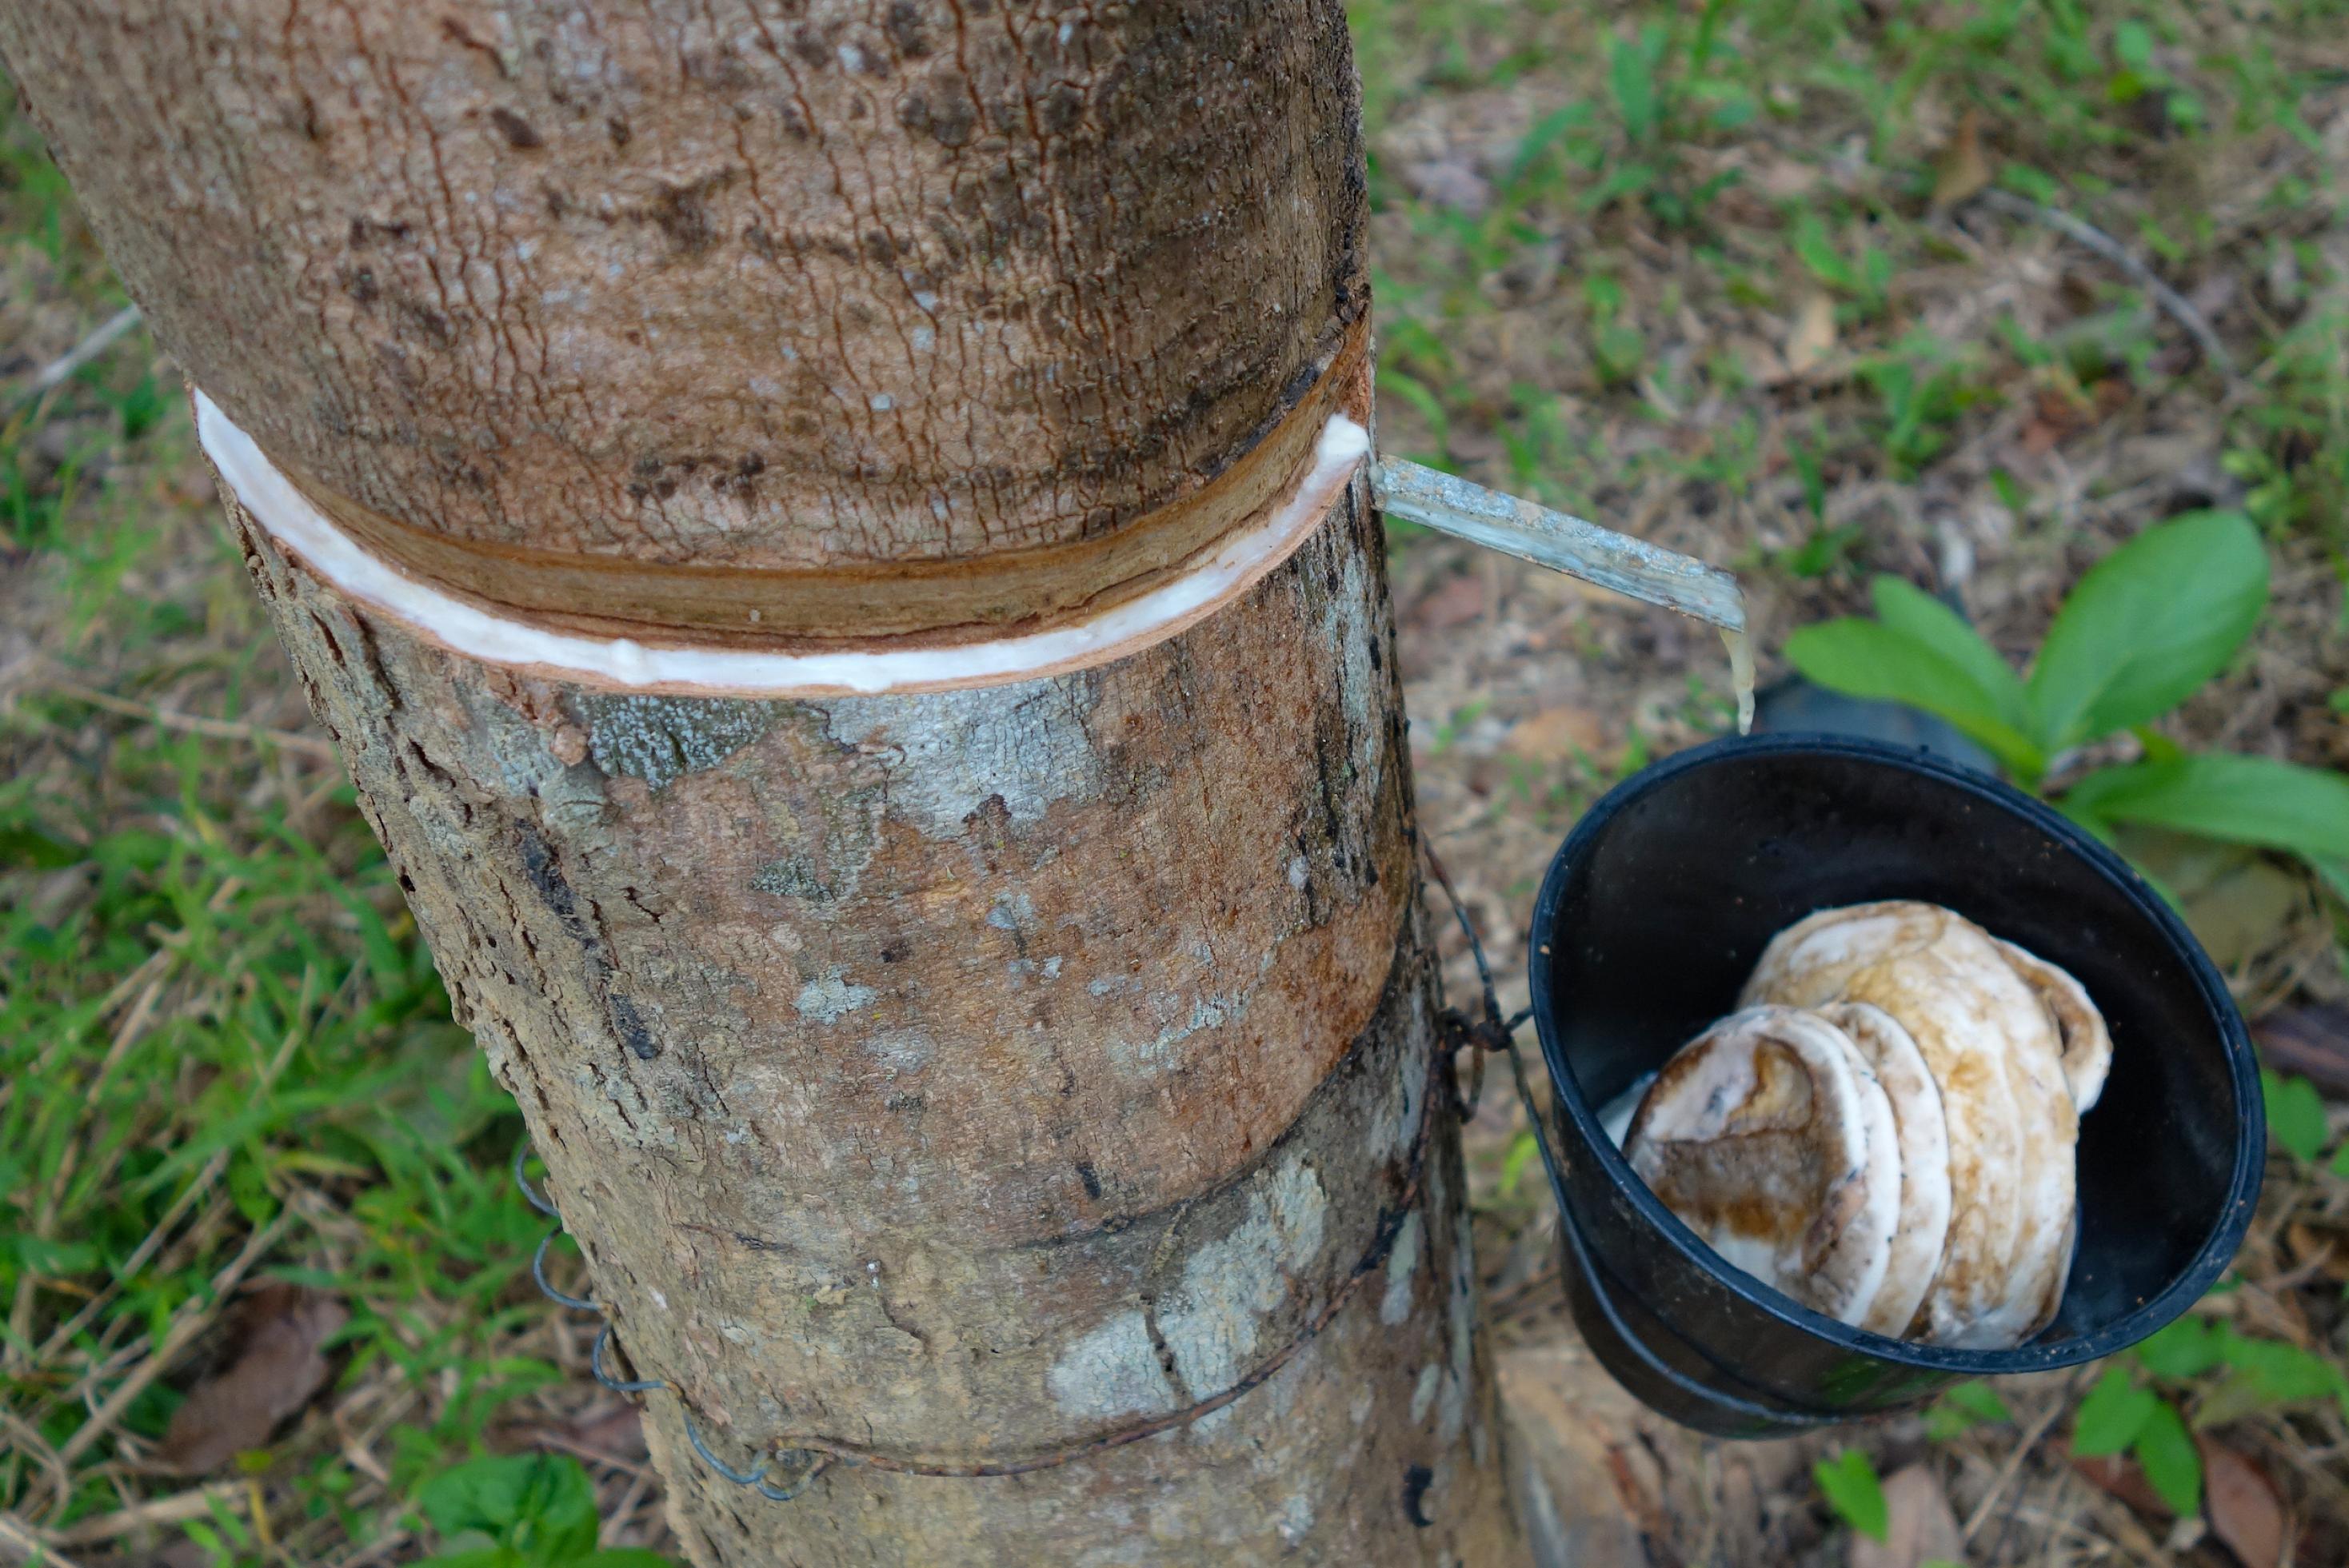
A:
1918	615
2166	1448
542	1504
31	847
2223	794
2147	625
1867	658
2112	1415
1818	252
483	1494
1633	76
1849	1484
626	1557
2183	1349
562	1512
1962	1407
2295	1113
1981	1400
2283	1372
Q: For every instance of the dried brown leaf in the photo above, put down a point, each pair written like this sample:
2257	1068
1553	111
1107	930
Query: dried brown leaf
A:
1554	735
1453	604
277	1366
2313	1041
2240	905
2123	1478
1786	179
1813	337
1451	181
2243	1508
1761	362
1962	170
2323	1251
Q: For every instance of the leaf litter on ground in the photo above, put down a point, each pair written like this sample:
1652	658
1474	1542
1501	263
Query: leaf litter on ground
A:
280	1333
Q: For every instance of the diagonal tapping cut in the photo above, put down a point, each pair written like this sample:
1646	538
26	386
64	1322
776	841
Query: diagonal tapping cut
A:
481	631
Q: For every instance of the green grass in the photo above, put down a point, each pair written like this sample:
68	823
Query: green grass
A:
225	1056
2177	128
218	1023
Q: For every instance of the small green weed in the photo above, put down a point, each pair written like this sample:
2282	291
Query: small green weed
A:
1671	83
1922	390
1849	1483
1962	1407
1863	276
1824	553
2141	1405
520	1511
2119	1415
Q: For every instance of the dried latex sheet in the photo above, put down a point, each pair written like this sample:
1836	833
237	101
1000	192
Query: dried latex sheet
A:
1902	1024
1769	1135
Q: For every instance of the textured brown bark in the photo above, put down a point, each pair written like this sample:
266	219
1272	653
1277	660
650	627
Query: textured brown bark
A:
936	1081
761	284
967	1076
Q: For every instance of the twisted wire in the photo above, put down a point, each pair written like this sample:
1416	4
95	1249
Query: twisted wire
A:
755	1480
821	1453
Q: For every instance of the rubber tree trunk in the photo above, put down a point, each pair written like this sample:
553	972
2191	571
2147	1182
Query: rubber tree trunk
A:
944	1081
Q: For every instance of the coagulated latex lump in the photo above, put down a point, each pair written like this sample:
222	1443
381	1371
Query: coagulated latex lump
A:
1886	1130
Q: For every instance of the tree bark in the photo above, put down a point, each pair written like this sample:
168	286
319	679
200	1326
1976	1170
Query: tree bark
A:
1014	1108
786	287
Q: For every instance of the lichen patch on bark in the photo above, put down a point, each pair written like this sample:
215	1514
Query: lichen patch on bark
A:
1401	1263
1113	1371
1022	748
825	1000
659	740
1211	1321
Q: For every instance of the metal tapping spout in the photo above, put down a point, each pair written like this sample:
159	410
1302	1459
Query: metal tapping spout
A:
1563	543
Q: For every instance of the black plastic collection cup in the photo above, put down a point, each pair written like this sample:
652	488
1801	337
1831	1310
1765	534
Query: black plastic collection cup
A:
1650	921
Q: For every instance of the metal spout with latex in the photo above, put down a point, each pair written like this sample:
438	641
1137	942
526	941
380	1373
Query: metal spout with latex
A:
1576	547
